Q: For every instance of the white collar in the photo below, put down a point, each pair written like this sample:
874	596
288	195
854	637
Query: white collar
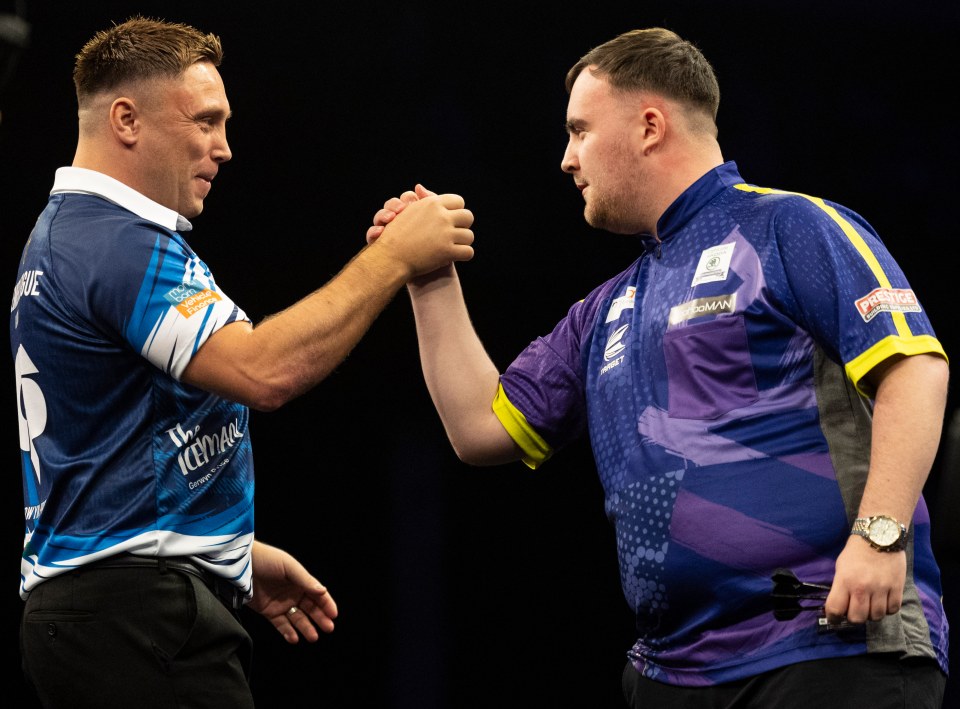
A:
79	179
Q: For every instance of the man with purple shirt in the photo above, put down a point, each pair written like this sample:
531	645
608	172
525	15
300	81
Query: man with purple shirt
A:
745	384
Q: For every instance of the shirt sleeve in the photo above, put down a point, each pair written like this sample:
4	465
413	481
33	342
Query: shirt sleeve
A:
146	286
542	401
848	290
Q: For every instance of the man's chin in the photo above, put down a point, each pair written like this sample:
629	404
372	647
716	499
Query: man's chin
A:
614	223
592	218
603	221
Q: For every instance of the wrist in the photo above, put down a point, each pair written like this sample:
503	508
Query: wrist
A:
882	532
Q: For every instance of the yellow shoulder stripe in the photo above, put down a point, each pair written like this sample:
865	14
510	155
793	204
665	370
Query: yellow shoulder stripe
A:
899	320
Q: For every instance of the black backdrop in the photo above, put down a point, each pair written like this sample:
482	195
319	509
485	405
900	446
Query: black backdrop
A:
469	587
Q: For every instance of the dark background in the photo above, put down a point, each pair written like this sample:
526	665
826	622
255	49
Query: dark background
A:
459	586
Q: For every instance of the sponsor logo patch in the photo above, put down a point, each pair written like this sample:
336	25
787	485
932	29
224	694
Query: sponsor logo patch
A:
887	300
622	303
713	305
190	298
614	344
714	264
613	352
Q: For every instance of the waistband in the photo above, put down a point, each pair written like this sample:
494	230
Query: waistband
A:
228	593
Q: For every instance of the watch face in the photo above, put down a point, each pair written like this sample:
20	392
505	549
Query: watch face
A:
884	531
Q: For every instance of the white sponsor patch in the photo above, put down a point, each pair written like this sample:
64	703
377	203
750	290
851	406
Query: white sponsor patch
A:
714	264
714	305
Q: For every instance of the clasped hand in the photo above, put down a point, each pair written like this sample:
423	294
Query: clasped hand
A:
868	584
392	207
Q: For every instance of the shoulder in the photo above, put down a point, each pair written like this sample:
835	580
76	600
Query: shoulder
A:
785	204
93	229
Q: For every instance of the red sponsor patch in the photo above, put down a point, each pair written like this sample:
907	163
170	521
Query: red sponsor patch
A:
887	300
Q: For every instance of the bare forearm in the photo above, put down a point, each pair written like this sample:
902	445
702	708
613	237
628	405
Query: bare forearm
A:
907	420
459	374
266	366
290	352
308	340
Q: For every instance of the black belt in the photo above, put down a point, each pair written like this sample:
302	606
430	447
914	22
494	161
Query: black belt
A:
228	593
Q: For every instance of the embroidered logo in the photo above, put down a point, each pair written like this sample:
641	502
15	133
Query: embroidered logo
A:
887	300
190	298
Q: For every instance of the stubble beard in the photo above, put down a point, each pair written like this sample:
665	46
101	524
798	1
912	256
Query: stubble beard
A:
611	213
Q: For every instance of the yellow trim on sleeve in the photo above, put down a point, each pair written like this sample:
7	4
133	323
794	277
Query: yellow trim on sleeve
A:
904	342
899	320
536	451
889	346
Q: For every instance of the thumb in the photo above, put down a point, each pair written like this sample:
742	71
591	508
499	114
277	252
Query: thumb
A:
836	604
423	191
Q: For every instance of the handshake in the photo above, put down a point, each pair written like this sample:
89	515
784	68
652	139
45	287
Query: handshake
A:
426	231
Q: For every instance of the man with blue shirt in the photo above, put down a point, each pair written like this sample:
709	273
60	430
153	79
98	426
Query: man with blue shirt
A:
746	385
134	375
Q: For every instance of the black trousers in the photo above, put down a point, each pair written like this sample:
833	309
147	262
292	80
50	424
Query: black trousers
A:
879	681
134	637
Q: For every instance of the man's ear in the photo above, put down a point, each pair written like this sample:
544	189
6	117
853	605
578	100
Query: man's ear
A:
651	128
125	120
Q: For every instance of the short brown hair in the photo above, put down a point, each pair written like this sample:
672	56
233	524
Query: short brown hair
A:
141	49
654	59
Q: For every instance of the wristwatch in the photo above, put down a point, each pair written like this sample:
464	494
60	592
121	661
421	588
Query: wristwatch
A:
884	533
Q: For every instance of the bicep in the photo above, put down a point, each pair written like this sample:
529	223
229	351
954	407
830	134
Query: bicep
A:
219	366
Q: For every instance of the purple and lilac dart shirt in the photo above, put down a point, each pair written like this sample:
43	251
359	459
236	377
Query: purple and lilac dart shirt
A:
721	379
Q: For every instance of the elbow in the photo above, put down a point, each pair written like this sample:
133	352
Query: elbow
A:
266	390
481	440
467	442
265	405
468	454
483	453
269	396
